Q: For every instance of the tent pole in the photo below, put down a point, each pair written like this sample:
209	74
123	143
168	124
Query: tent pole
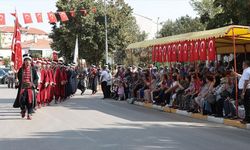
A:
235	70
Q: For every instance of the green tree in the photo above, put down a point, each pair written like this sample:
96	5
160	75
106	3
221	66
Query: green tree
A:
181	25
205	9
90	28
219	13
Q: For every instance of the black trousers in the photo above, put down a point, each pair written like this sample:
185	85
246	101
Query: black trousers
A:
104	89
24	103
246	102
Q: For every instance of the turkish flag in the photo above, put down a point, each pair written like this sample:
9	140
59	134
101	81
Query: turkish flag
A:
164	53
27	18
180	53
16	49
196	51
203	52
169	53
39	17
84	12
191	49
211	50
160	54
153	54
185	52
94	9
72	13
156	53
63	16
52	17
173	54
2	19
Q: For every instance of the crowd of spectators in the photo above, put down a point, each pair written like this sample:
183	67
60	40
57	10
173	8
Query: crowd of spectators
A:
208	89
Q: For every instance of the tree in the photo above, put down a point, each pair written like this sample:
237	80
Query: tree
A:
219	13
182	25
205	9
90	28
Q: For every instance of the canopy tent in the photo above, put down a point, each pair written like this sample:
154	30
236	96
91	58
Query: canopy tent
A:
223	38
230	39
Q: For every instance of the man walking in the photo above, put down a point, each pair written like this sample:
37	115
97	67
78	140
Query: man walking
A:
104	79
27	79
244	85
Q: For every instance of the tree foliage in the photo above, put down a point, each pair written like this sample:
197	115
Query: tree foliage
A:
181	25
219	13
90	28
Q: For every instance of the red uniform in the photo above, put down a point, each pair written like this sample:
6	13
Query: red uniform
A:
42	86
57	81
50	86
63	82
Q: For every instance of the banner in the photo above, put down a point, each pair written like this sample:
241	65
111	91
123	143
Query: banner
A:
2	19
211	49
173	53
180	53
27	17
203	52
185	52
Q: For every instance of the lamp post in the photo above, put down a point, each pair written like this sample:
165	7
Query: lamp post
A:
106	33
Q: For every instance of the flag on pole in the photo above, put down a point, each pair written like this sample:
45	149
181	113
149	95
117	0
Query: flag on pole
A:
76	51
16	49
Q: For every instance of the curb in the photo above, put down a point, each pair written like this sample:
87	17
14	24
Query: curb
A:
228	122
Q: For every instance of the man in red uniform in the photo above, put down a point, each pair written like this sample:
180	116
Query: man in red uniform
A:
43	84
51	81
63	83
58	80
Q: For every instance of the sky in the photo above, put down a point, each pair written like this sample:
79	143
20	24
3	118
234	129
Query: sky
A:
146	12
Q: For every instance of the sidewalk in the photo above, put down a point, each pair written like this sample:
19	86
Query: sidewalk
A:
229	122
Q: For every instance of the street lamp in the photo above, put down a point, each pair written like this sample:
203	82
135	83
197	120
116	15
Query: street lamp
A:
106	33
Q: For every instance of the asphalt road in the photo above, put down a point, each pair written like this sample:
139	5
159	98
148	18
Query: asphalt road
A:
89	123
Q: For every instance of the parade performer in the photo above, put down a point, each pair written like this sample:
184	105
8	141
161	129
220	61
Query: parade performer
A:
44	82
57	80
27	83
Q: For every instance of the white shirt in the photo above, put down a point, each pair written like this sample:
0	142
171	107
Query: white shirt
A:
104	76
245	76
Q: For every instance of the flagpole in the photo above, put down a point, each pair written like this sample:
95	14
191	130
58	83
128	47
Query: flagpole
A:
106	33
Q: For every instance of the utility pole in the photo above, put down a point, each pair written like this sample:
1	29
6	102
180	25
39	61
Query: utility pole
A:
106	33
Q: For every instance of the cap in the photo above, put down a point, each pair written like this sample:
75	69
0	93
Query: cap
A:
27	56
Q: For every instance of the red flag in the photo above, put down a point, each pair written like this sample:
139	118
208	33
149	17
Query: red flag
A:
72	13
2	19
52	17
16	53
84	12
180	53
39	17
191	49
27	18
203	53
195	51
211	50
156	53
160	54
169	53
63	16
173	54
185	52
153	54
164	51
94	9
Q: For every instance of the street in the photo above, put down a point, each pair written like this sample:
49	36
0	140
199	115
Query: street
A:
89	123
